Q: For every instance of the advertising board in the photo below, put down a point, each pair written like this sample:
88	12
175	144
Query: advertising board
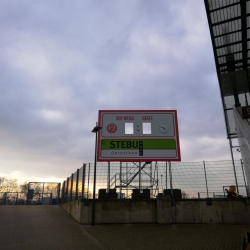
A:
138	135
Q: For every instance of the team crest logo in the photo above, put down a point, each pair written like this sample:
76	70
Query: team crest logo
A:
111	128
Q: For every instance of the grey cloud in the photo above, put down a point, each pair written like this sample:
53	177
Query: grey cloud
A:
62	62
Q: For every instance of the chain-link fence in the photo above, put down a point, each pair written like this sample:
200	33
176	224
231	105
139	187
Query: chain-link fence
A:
43	193
194	179
12	198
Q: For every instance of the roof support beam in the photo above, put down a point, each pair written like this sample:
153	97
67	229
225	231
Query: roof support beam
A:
244	37
228	44
225	21
216	62
224	7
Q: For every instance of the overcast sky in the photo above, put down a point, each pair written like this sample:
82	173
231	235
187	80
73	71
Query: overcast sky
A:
62	61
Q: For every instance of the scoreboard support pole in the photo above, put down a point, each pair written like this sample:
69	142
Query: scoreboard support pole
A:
166	175
140	176
127	178
108	179
120	180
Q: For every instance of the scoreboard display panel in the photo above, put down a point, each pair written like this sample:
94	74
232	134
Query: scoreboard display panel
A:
138	135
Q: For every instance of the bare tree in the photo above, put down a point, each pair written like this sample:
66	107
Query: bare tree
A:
24	187
7	185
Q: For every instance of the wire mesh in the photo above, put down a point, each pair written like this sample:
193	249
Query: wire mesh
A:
74	186
69	188
195	179
12	198
80	182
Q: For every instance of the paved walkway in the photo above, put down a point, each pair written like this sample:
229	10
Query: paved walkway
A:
49	227
42	227
172	237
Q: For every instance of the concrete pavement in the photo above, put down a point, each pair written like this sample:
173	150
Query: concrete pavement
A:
172	237
49	227
42	227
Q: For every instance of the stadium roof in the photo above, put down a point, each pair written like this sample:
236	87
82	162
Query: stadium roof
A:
229	24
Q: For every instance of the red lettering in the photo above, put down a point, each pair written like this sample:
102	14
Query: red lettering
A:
128	118
147	118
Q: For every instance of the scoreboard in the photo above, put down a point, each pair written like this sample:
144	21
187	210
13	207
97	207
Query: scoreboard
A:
138	135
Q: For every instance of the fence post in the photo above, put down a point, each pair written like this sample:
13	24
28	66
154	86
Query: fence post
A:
205	177
71	184
50	199
108	179
42	194
67	189
88	182
244	177
58	193
83	179
77	179
63	193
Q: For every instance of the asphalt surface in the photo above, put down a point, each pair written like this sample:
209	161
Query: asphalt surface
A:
49	227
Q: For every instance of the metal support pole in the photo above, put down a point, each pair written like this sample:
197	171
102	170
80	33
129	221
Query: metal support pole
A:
244	177
71	187
50	199
230	143
94	185
42	194
166	175
120	180
151	180
151	175
161	184
108	179
127	178
157	178
77	179
58	193
170	176
63	193
67	189
88	182
83	179
205	177
140	176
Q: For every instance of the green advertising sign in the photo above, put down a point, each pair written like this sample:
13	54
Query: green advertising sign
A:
134	144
